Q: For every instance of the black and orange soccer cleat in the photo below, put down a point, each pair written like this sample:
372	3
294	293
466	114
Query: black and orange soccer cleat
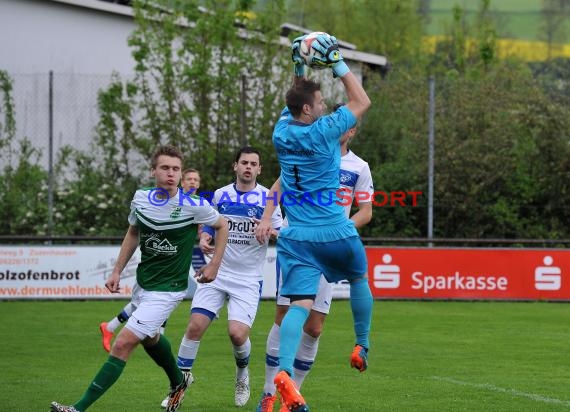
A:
176	395
359	358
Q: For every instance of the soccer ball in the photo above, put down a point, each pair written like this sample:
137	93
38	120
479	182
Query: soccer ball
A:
307	52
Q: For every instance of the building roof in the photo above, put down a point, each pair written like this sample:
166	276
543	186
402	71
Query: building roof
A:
121	7
101	5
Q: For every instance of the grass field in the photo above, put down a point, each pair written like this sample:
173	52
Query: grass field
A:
517	19
425	356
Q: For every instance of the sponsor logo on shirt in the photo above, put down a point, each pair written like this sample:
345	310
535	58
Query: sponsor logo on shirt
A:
297	152
158	246
175	212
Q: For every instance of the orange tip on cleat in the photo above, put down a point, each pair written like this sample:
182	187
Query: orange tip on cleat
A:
266	403
107	336
359	358
291	398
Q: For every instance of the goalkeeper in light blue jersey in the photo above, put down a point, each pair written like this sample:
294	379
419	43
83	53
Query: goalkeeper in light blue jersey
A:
320	238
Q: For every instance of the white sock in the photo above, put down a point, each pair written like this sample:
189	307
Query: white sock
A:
129	309
125	314
305	358
271	358
113	324
241	354
187	353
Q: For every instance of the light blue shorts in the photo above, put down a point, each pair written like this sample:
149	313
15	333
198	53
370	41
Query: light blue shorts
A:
303	262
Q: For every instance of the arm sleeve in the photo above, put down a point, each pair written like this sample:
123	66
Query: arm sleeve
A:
207	227
209	230
277	218
285	113
206	215
284	118
334	125
364	182
132	218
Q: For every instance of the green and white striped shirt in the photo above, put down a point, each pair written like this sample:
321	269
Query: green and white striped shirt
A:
167	233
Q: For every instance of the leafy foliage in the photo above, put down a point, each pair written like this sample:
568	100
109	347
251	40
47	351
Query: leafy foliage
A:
389	27
8	122
23	194
501	155
212	81
202	83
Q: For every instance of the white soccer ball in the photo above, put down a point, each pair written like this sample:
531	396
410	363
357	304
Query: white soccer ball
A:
307	52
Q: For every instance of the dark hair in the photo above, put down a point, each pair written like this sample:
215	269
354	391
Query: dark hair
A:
247	149
190	170
166	150
338	106
300	94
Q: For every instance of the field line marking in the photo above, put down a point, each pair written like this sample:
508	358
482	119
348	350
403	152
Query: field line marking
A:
513	392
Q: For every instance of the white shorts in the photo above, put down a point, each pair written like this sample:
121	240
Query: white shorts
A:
153	308
243	297
323	299
136	295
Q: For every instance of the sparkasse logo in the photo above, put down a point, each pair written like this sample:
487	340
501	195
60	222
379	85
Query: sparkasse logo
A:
387	276
548	277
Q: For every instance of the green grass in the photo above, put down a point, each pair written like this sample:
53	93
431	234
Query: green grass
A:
426	356
498	5
515	19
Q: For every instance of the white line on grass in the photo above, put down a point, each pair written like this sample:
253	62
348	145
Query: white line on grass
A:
512	392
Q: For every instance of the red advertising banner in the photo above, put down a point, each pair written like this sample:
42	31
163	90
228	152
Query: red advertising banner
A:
438	273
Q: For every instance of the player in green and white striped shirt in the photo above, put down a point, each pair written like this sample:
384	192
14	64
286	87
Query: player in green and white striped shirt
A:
163	223
190	183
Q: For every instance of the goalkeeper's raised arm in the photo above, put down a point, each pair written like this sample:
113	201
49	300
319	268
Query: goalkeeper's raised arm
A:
329	55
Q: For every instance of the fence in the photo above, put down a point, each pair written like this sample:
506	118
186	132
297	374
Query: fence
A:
368	241
58	109
489	157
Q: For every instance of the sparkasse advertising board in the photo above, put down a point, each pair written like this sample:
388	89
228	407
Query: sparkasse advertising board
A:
447	273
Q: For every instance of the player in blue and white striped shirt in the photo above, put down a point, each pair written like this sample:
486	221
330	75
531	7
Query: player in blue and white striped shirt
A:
240	278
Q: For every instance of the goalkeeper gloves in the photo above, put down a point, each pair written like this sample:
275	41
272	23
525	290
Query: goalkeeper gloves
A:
296	56
327	46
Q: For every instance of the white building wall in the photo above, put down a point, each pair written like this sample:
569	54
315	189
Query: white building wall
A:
40	35
83	42
83	46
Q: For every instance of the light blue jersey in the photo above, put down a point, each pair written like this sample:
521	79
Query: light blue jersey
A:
309	155
320	237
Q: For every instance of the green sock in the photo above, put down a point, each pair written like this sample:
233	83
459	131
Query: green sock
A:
161	353
105	378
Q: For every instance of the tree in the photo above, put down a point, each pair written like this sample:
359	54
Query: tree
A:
8	123
389	27
207	80
501	154
22	180
487	35
554	14
23	193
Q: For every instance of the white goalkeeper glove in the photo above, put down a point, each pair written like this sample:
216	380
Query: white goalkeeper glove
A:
327	46
296	56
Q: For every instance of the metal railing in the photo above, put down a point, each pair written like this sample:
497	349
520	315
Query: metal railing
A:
368	241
